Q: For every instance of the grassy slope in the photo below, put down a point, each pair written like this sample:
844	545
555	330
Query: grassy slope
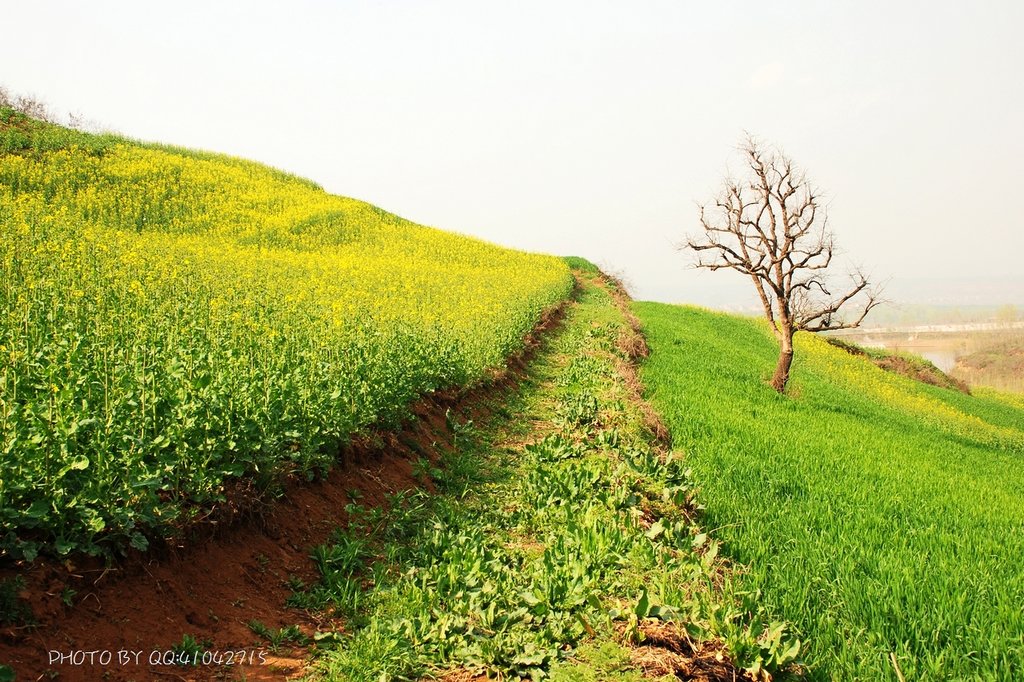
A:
879	514
171	320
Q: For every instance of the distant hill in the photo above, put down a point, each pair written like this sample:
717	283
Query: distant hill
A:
920	314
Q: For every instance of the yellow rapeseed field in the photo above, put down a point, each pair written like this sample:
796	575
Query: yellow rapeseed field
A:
895	391
170	320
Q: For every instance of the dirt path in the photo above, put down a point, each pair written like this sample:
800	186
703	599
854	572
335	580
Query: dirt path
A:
568	549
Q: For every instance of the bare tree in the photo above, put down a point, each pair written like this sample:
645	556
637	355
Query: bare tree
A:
773	228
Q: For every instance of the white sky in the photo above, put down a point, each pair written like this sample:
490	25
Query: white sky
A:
587	128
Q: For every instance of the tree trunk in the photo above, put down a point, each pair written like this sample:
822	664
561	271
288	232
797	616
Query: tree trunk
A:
781	377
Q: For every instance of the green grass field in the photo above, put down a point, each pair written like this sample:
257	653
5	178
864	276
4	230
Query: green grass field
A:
882	516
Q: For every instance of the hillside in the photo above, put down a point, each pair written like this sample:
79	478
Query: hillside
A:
177	325
534	527
999	364
391	486
878	514
297	425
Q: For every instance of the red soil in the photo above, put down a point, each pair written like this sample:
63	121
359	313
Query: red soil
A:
209	590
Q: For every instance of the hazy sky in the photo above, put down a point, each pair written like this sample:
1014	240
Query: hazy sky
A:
587	128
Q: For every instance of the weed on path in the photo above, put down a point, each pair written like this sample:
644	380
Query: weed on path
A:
560	544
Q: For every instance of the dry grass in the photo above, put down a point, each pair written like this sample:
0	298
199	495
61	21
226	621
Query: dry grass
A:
667	650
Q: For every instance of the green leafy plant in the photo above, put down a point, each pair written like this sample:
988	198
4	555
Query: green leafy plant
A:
290	634
189	649
579	409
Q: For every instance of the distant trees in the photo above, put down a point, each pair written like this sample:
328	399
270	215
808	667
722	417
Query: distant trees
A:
1006	314
30	106
772	227
33	107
